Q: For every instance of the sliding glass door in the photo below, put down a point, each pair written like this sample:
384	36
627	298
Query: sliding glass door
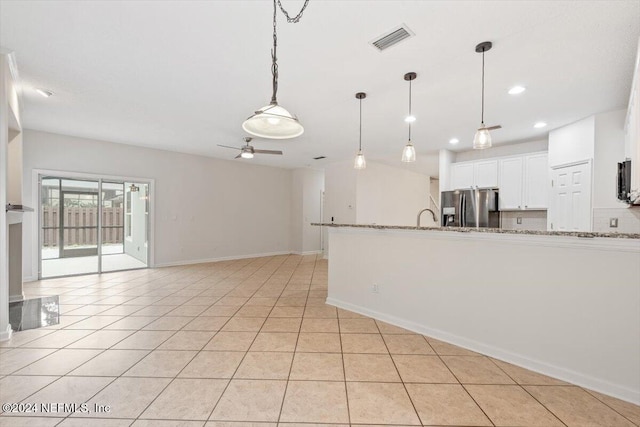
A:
92	226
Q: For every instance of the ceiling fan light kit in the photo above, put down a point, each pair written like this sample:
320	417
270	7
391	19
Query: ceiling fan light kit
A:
247	151
273	121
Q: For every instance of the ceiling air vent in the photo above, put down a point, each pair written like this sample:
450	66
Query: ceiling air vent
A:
392	37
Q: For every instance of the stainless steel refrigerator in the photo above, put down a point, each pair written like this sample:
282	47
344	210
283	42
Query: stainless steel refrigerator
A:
470	208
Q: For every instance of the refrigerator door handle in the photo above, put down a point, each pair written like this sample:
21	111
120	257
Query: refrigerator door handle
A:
463	202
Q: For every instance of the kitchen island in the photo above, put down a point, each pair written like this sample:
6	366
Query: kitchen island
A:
563	304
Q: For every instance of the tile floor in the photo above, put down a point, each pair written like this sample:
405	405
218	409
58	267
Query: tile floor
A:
252	342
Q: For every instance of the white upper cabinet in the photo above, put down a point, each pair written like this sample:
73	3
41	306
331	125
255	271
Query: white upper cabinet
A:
481	174
485	173
536	181
462	175
510	193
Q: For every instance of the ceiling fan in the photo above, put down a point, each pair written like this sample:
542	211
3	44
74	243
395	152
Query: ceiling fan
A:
247	151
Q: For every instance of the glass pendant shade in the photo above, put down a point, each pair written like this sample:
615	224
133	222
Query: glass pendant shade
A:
360	162
273	122
482	139
409	153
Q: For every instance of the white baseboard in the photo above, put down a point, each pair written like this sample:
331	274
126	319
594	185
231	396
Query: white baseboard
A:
558	372
6	335
306	252
225	258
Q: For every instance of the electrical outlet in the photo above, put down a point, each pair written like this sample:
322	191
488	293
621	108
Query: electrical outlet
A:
375	289
613	222
519	220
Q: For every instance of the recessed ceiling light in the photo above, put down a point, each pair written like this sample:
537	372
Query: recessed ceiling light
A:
516	90
44	92
539	125
454	141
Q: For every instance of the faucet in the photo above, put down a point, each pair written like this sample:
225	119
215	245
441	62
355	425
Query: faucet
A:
432	213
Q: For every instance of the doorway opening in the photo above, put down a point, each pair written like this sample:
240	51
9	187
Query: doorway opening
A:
92	225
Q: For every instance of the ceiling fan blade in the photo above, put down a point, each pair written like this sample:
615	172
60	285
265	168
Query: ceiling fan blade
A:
226	146
268	152
494	127
238	156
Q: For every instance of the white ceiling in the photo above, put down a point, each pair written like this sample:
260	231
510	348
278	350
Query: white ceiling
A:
182	75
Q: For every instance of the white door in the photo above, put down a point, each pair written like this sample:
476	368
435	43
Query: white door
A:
461	176
486	174
570	208
510	195
536	181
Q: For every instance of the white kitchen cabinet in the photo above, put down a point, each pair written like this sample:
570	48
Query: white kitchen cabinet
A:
462	175
485	173
536	171
511	183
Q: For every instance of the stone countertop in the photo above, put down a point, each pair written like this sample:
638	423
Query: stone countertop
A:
585	234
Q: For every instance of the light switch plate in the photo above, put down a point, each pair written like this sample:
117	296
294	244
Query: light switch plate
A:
519	220
613	222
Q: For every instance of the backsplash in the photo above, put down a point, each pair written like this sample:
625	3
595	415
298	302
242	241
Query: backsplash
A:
531	220
628	220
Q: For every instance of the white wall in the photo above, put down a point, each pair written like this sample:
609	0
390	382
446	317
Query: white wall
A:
577	319
504	150
445	159
572	143
306	200
608	151
205	208
391	196
340	182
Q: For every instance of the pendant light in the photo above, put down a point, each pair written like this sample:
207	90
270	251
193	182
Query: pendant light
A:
360	162
482	138
409	151
273	121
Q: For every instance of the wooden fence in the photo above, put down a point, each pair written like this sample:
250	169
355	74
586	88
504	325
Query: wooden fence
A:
112	226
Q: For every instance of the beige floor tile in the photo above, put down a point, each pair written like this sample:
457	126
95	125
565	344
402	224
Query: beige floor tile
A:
213	364
220	311
250	400
231	341
253	311
110	363
261	301
14	389
153	310
407	344
166	423
363	343
318	343
59	363
265	366
476	370
446	404
95	322
187	340
101	339
423	369
576	407
362	326
232	301
122	310
58	339
69	390
317	366
132	322
6	421
191	399
128	397
311	324
275	341
526	377
168	323
13	360
282	324
322	312
346	314
291	302
381	403
206	323
243	324
161	363
386	328
239	424
510	405
95	422
287	312
445	349
23	337
316	402
629	410
144	340
370	367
